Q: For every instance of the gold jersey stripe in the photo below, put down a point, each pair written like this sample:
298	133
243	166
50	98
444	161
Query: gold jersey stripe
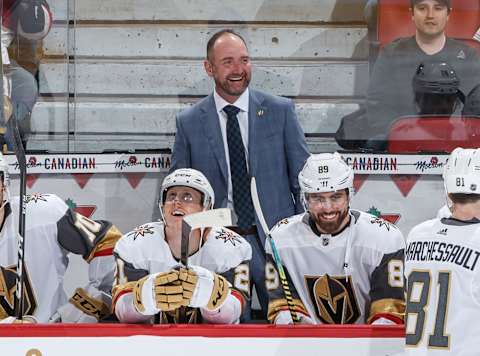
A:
395	307
276	306
107	243
120	289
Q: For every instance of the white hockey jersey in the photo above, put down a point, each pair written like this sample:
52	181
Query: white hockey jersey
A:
145	251
442	266
52	232
355	276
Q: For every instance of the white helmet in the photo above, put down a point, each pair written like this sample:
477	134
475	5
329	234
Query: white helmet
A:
325	172
462	171
192	178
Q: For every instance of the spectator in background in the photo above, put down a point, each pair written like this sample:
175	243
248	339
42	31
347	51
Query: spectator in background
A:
236	133
436	88
390	92
30	19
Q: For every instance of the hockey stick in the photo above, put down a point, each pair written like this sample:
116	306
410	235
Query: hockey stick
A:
204	219
276	257
7	117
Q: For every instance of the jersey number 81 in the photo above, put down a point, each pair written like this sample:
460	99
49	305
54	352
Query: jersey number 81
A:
418	293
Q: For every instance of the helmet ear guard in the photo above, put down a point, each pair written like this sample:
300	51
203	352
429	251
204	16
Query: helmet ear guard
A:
323	173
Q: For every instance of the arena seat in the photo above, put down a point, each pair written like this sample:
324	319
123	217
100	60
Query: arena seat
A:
413	134
394	21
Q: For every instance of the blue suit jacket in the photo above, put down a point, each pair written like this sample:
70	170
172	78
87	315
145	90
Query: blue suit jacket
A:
276	147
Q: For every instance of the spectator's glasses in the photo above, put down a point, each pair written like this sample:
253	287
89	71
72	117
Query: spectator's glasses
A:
182	197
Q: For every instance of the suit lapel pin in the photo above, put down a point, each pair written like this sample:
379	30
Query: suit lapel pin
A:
260	112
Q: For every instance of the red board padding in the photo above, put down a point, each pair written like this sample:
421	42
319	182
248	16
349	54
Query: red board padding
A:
412	134
394	20
265	331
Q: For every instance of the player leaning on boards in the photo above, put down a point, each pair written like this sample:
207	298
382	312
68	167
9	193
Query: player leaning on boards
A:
52	232
150	277
343	266
442	268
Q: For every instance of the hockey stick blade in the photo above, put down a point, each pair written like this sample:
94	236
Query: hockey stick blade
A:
209	218
276	256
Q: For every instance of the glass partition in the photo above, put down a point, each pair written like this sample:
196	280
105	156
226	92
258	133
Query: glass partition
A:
35	67
112	76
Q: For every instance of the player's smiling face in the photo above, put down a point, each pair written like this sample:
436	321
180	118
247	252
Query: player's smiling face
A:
229	66
329	210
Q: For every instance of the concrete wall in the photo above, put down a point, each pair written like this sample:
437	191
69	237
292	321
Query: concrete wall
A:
133	64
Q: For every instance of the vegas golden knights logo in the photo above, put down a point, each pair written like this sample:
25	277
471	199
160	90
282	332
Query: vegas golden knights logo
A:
334	298
173	316
8	287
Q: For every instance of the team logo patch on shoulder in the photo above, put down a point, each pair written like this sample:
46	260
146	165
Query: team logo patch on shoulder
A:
382	223
228	237
141	231
333	298
281	222
36	197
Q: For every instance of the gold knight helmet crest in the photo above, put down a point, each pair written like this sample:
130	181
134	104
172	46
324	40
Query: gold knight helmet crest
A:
334	299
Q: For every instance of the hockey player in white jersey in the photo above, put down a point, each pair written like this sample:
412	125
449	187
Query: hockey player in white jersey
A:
52	232
343	266
152	281
442	268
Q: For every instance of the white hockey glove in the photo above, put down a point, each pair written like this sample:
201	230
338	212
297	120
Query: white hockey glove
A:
158	292
27	319
84	307
203	288
384	321
284	318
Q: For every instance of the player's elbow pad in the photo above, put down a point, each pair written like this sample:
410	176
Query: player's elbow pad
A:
228	313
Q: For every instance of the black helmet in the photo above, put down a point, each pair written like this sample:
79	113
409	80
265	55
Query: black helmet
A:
446	3
472	103
436	78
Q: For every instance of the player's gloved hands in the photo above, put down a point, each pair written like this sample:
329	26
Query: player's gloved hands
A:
158	292
284	318
203	288
85	306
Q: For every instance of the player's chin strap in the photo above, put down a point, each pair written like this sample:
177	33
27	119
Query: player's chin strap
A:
346	262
